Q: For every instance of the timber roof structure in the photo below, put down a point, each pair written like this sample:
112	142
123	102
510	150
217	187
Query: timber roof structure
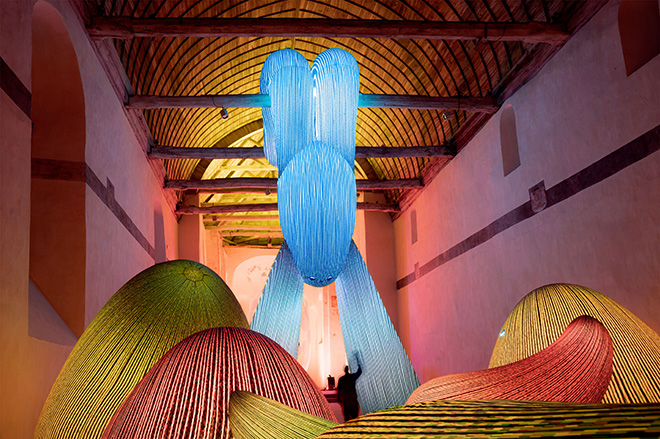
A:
432	73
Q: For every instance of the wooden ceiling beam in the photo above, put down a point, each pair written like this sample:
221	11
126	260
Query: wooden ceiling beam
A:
251	234
485	104
173	152
266	207
271	183
103	27
241	228
241	218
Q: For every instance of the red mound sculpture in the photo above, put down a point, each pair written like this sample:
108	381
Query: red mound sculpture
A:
186	393
577	367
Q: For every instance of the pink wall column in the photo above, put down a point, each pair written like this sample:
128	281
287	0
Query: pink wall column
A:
192	236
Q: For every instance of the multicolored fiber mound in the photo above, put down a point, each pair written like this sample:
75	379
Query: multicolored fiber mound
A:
504	419
255	417
186	394
150	314
577	367
541	316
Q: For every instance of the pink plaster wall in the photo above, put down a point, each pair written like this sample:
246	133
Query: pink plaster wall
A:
379	255
28	363
579	108
28	366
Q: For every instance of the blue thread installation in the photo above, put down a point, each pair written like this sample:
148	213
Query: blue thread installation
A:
387	378
279	310
317	204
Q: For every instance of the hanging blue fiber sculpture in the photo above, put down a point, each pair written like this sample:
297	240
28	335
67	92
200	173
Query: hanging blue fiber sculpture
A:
316	188
286	77
309	134
336	84
387	377
280	306
316	198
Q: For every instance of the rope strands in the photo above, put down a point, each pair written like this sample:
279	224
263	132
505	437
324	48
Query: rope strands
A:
387	377
279	311
317	201
542	315
152	312
336	93
504	419
255	417
186	393
286	77
316	190
577	367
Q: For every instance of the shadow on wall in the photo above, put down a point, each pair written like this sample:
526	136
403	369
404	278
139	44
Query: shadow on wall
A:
159	236
43	321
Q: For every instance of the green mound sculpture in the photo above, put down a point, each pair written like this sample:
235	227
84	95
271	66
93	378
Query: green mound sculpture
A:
150	314
253	416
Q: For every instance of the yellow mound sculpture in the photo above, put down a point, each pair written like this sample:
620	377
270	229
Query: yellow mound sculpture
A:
541	317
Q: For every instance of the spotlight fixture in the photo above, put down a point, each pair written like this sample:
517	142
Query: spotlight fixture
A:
446	116
224	113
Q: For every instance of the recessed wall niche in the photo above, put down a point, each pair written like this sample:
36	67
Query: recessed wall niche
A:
57	213
639	28
509	140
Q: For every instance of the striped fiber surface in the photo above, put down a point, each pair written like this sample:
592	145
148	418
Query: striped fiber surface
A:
151	313
255	417
504	419
541	316
186	394
577	367
279	311
387	378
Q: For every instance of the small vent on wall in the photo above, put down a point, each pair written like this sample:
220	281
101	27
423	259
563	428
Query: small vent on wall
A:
639	28
413	226
509	140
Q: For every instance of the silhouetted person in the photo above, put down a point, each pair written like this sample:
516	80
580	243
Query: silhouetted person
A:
347	395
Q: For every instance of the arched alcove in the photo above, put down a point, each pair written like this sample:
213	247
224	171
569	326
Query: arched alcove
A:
639	28
248	281
57	215
509	140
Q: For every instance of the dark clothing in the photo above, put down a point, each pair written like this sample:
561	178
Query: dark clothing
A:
347	395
